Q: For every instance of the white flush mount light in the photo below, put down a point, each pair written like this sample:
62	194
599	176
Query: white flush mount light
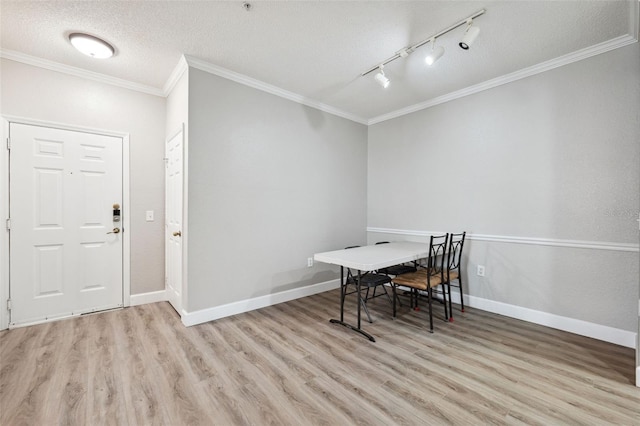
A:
435	54
381	78
91	46
469	36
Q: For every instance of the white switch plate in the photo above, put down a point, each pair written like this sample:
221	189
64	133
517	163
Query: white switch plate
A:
150	216
309	262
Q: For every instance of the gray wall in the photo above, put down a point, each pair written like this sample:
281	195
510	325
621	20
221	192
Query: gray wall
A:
553	156
37	93
271	182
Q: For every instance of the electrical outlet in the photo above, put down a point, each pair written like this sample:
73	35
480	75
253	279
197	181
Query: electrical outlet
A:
309	262
480	270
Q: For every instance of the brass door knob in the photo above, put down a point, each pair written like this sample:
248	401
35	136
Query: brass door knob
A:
177	234
115	231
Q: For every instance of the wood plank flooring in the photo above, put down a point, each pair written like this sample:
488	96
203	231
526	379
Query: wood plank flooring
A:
287	365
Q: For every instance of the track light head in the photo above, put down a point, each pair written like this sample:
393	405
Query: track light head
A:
469	36
435	54
381	78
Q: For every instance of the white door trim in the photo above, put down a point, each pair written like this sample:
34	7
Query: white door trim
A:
185	217
4	206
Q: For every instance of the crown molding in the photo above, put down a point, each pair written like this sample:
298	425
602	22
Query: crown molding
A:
265	87
181	68
78	72
514	76
581	244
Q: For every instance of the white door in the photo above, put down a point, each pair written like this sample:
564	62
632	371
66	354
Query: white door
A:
63	187
173	221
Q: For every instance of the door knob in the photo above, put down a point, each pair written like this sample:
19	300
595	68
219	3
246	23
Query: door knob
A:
177	234
115	231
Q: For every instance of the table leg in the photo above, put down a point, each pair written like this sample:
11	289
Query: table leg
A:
359	295
343	289
343	286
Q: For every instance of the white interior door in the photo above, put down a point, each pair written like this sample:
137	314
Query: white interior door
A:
63	186
173	221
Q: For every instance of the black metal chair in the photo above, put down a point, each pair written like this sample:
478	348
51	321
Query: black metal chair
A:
368	280
394	270
427	278
454	262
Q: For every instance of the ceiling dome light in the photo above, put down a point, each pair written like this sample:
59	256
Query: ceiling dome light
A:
91	46
469	36
381	78
435	54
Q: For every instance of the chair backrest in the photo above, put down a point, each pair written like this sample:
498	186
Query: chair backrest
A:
456	242
437	253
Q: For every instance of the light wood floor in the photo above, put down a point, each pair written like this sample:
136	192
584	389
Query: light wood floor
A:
287	365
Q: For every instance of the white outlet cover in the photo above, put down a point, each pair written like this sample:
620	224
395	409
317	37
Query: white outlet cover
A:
480	271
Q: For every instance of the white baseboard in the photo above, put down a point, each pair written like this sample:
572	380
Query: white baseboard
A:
638	376
217	312
150	297
571	325
582	328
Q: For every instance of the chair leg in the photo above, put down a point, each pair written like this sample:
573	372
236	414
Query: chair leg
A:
384	287
429	296
395	296
450	306
461	294
366	310
444	301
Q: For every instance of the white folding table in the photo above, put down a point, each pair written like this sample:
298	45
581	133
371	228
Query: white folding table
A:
366	259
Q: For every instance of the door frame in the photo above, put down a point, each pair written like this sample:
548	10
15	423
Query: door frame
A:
4	206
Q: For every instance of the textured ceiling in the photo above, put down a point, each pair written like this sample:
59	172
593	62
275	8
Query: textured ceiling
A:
317	49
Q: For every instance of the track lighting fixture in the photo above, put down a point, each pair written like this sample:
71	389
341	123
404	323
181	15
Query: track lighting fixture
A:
469	36
435	54
381	78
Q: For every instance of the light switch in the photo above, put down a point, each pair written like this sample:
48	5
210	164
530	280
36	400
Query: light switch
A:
149	215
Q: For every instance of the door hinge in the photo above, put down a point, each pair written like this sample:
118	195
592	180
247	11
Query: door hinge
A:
9	304
8	224
9	144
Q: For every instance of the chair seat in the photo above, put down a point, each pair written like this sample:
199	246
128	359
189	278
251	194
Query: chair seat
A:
453	275
418	280
398	270
372	280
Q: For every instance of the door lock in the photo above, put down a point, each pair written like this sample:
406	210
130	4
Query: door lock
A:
115	231
116	213
177	234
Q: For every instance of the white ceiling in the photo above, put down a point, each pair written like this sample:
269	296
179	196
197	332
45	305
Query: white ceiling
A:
318	49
